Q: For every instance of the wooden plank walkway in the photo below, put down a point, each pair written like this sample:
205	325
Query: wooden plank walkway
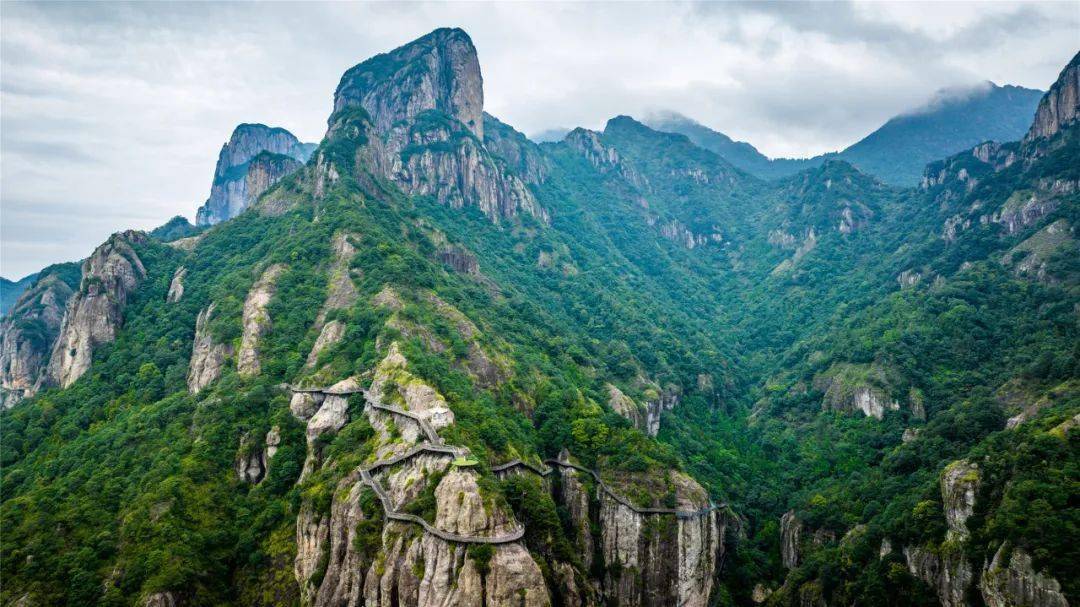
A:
434	444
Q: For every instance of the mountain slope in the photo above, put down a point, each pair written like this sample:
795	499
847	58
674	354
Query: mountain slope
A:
439	363
12	289
898	150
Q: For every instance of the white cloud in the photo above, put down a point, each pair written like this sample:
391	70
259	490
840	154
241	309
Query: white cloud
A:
113	114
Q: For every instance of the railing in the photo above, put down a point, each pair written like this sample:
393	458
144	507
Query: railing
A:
434	444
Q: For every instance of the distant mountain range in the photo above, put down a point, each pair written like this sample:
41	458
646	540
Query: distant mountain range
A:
897	152
10	290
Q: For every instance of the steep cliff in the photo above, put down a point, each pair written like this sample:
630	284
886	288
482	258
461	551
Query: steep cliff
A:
208	357
255	157
94	314
1010	580
425	103
28	331
1061	104
256	320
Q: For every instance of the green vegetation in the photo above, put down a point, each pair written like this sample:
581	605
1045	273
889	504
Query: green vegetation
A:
126	482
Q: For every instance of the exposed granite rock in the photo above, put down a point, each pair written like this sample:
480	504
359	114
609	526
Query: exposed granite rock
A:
439	71
909	278
949	574
602	157
256	319
1061	104
1022	209
27	334
161	599
95	313
176	287
312	532
459	259
1016	583
790	532
657	401
849	387
959	484
521	155
255	157
1029	258
250	461
207	355
341	295
626	407
330	334
661	560
343	582
425	103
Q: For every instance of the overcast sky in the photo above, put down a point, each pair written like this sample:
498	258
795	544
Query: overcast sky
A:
113	114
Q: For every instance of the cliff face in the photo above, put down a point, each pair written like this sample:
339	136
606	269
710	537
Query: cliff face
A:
652	559
425	104
27	334
404	563
439	71
207	355
1010	580
255	157
95	313
1060	105
256	320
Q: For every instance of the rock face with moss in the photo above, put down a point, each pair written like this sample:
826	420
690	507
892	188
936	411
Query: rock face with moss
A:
27	333
1010	580
208	356
95	313
1060	106
425	103
255	158
256	319
399	563
652	559
946	569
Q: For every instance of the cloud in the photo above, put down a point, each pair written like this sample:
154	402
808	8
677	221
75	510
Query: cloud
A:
113	113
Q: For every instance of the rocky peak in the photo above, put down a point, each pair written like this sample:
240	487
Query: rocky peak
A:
271	152
1061	104
439	71
95	313
28	331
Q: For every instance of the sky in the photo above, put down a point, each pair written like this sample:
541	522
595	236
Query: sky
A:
112	115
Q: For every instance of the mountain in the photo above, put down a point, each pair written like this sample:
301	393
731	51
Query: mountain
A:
10	290
255	157
897	151
441	364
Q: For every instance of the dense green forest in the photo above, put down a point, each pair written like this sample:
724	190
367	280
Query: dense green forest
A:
823	345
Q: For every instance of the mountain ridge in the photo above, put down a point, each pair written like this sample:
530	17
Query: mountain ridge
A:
897	150
876	381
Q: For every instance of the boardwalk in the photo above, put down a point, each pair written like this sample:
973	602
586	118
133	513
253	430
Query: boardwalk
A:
434	444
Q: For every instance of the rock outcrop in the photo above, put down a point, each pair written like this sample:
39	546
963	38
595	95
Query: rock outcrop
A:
255	158
945	568
341	294
425	104
948	573
1010	580
652	559
849	388
176	287
207	355
790	533
1061	104
256	320
161	599
408	565
959	484
27	334
94	314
